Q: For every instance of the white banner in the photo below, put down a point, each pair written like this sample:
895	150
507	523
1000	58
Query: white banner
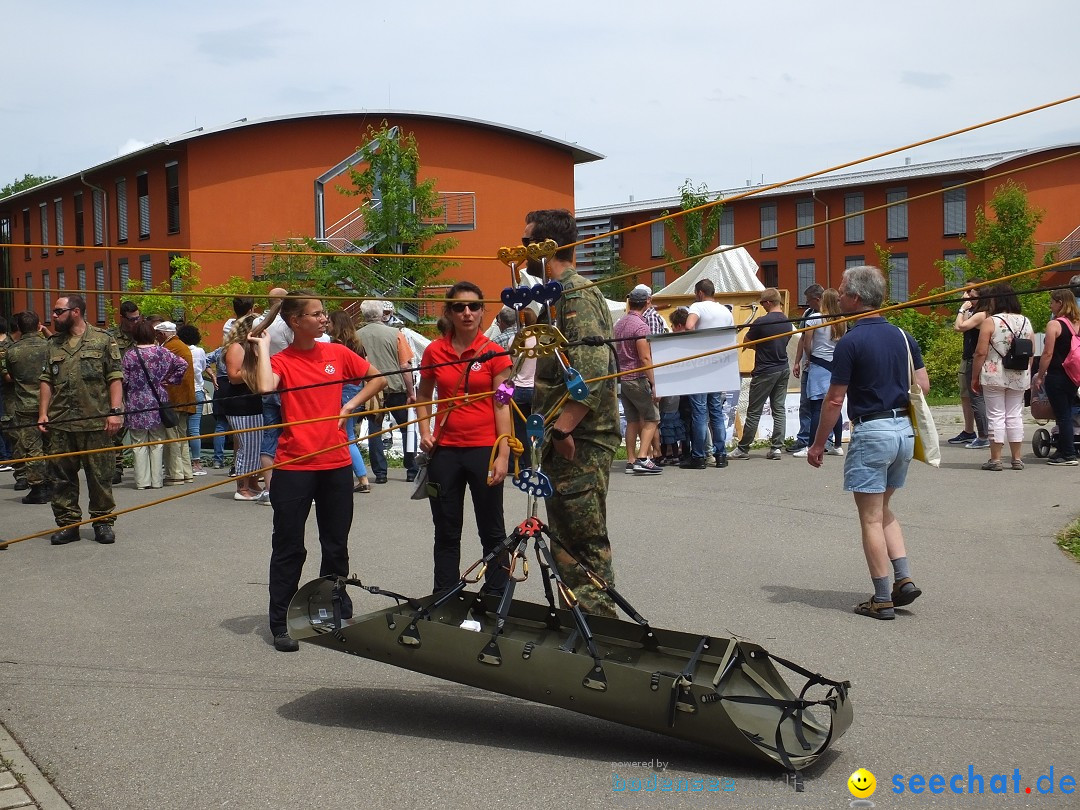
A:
715	372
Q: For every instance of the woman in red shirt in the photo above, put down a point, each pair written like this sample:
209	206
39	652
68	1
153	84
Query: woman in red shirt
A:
460	448
310	376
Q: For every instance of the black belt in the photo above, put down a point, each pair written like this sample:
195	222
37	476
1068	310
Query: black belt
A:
895	413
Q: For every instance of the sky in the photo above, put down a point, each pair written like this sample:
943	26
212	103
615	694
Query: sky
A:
716	92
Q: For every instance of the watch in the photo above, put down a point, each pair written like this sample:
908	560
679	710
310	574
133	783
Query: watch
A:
116	411
559	434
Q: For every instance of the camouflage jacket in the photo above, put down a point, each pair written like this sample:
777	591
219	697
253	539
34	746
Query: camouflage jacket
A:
79	374
24	360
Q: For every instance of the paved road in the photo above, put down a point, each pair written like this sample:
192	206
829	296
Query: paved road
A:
140	675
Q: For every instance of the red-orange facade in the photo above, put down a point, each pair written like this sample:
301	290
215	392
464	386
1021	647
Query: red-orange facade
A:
919	232
250	184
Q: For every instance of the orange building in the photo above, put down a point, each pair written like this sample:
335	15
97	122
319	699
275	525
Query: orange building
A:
918	232
254	183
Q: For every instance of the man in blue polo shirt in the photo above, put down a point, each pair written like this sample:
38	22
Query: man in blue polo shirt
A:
870	368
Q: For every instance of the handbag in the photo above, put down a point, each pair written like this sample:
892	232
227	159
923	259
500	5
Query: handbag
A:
922	420
167	413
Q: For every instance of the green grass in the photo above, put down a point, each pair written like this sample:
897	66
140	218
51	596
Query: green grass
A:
1068	539
934	399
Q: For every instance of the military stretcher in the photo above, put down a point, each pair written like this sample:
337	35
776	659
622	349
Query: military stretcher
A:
718	691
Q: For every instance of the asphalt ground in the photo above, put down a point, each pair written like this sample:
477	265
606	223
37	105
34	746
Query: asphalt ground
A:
141	675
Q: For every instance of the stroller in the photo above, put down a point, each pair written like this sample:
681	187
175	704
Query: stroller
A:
1046	440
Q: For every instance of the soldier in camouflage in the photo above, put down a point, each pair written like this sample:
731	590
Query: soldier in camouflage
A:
81	408
21	365
585	435
121	333
7	412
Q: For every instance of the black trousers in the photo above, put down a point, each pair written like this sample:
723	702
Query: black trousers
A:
452	469
291	496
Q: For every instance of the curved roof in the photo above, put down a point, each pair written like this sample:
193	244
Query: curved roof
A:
580	154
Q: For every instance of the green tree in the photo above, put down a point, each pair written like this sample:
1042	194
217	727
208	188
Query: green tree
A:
27	181
329	273
214	303
399	215
699	228
611	272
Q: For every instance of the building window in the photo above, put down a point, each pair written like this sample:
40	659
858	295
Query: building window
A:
656	232
26	237
853	225
142	190
46	294
61	280
30	295
58	213
955	202
896	214
727	225
805	273
121	210
99	283
770	275
804	221
80	278
172	196
659	279
80	233
125	274
898	277
854	261
99	218
43	210
953	269
768	228
146	272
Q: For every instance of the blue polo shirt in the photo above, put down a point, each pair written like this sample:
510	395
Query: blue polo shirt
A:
870	359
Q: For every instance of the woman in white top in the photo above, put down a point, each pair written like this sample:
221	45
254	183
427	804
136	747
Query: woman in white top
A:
191	336
1002	388
817	345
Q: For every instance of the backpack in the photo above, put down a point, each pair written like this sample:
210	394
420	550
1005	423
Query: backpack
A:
1071	363
1021	350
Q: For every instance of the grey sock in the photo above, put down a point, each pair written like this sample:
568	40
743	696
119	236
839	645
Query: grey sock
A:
900	568
882	589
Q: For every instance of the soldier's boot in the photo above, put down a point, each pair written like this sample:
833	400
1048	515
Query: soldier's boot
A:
103	533
63	536
118	476
21	484
39	493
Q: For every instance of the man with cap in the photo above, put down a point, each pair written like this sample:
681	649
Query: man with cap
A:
650	313
176	454
769	379
81	407
707	410
637	384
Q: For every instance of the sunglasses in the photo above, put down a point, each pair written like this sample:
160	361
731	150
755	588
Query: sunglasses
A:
58	312
461	306
527	240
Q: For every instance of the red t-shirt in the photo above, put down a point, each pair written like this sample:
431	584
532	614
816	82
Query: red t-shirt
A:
471	425
326	363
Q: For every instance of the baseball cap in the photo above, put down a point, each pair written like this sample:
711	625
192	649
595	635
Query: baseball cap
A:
165	326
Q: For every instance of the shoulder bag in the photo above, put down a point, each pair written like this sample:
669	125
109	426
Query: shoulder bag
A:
168	415
922	420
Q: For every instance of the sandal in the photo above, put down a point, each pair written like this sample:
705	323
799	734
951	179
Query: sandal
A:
994	465
1017	464
876	610
362	487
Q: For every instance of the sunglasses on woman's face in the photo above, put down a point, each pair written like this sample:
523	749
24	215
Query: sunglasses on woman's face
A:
461	306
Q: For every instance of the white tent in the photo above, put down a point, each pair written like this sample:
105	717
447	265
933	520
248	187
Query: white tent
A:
729	269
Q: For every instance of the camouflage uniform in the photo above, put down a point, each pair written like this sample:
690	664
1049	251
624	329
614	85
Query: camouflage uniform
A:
126	343
7	418
23	361
79	374
577	512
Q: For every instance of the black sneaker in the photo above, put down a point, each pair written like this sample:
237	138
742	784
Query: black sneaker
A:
410	475
963	437
118	477
103	533
1061	461
64	536
693	463
795	448
721	460
283	643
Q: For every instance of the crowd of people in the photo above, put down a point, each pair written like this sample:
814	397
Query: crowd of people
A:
297	378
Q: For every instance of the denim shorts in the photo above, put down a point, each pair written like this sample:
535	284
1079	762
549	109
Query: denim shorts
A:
271	416
878	455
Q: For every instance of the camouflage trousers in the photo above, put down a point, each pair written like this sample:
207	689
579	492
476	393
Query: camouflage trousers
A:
30	442
64	472
577	516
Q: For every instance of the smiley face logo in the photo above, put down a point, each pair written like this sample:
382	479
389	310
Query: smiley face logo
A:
862	784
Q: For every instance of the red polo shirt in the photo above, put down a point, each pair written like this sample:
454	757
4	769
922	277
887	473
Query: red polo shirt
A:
471	425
